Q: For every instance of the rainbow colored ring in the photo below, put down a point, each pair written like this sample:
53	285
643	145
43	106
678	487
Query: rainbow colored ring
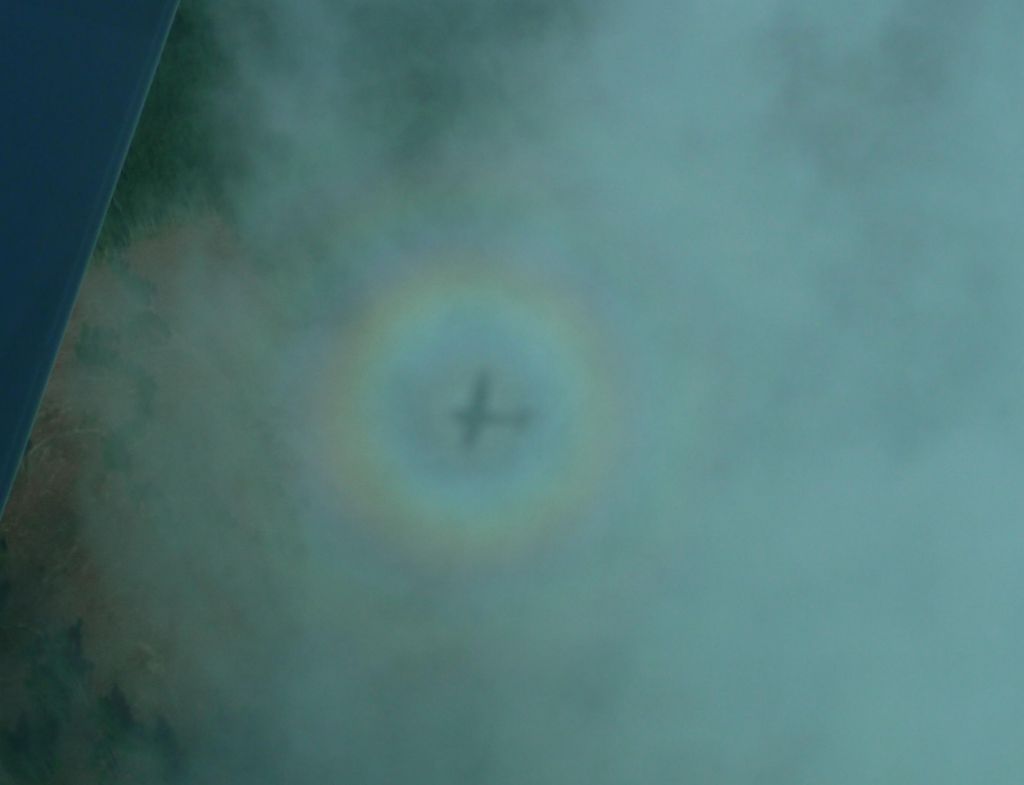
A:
392	442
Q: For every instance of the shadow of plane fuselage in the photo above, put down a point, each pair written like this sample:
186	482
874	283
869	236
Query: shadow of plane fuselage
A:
476	414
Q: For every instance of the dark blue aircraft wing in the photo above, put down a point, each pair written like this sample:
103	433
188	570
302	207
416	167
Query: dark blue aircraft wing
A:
73	78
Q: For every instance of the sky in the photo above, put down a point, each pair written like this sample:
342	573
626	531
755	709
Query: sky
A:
755	265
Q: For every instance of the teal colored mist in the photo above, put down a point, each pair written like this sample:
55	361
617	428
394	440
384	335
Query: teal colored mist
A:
766	257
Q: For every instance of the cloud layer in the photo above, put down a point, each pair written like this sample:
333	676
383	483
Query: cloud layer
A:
793	227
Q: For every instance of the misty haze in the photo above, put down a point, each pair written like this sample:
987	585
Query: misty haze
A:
540	392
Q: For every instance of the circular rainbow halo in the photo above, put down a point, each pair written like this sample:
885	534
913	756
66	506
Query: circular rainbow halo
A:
466	412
